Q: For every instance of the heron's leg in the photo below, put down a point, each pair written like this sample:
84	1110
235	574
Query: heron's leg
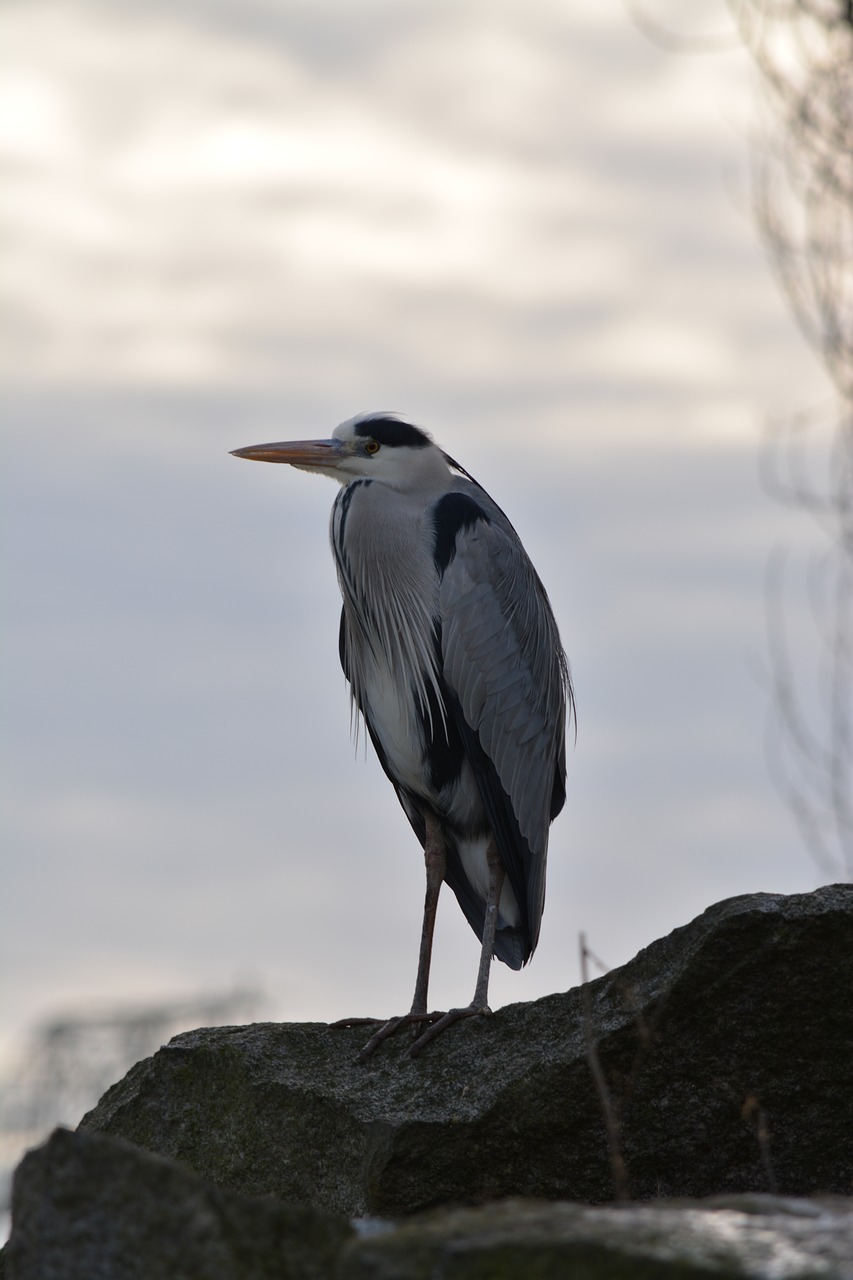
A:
480	1003
435	859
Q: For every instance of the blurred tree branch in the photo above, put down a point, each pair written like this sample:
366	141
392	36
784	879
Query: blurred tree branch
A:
803	200
802	180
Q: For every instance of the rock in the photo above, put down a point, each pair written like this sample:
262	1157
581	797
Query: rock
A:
794	1239
726	1049
88	1207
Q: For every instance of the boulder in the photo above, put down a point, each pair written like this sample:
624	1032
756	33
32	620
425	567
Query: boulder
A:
86	1207
723	1056
759	1237
89	1207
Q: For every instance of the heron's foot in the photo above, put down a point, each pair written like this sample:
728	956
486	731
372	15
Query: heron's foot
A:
447	1020
405	1020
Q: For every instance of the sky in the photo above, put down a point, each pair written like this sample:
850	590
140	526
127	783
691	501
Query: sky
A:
520	225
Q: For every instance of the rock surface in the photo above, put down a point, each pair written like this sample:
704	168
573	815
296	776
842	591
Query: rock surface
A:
767	1237
726	1048
85	1207
88	1207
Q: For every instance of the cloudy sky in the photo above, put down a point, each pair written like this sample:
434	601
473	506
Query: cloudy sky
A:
228	221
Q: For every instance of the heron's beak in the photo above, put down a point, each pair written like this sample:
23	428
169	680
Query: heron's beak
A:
299	453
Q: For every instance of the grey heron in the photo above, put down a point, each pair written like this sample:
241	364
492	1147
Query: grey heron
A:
454	661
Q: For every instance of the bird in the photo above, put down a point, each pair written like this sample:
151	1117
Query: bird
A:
455	665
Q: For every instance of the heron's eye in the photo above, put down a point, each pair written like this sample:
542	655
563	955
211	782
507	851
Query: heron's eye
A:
372	446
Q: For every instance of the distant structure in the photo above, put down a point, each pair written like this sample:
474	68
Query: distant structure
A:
70	1060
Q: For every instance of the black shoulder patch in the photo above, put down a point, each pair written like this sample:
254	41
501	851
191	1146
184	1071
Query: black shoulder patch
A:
451	513
392	431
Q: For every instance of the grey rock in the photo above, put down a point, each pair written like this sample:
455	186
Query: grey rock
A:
777	1240
86	1207
726	1048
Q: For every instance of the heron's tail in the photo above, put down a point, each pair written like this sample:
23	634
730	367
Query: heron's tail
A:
509	947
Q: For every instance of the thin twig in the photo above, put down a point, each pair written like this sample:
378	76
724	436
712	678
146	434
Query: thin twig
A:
609	1108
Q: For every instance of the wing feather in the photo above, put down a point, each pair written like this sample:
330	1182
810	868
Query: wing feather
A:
504	667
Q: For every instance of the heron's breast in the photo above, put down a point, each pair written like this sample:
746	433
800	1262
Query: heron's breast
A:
392	710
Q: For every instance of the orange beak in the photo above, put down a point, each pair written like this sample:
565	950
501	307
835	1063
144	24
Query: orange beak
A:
299	453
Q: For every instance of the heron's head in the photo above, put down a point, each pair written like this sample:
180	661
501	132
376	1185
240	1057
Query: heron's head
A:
379	446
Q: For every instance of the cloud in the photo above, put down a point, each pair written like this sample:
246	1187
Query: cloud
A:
203	197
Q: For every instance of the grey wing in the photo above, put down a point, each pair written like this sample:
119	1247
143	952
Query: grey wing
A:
504	667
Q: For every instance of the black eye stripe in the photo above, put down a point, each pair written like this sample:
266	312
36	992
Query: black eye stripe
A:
392	431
